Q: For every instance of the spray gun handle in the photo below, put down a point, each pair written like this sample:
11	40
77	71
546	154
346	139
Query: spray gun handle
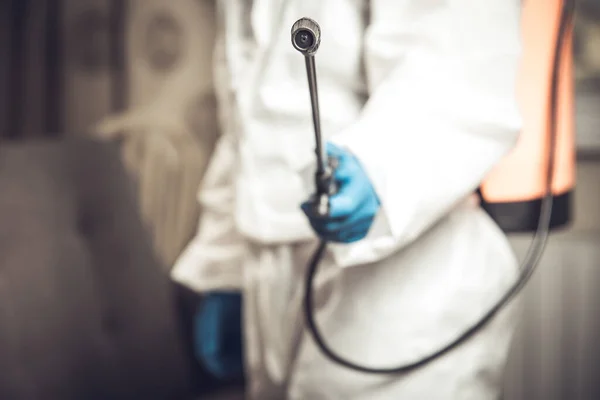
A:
326	187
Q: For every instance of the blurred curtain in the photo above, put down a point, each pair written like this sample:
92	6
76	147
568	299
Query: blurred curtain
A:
587	67
62	65
29	75
134	70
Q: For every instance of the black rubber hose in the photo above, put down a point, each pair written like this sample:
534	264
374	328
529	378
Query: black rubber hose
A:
529	263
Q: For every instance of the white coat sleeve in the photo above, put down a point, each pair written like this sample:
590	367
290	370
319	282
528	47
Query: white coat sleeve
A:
442	112
213	260
214	257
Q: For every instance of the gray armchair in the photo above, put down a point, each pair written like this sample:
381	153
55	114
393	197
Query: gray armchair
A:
86	312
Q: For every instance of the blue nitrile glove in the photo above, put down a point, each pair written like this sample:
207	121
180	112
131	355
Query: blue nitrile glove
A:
218	334
353	208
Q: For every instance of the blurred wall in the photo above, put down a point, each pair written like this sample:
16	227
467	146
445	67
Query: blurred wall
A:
169	123
135	69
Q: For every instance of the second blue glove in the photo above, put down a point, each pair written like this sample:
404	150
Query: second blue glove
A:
218	334
353	208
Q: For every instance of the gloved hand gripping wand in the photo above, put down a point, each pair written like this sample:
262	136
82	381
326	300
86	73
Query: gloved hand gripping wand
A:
306	37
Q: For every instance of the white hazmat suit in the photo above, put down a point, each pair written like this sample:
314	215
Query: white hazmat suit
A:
423	92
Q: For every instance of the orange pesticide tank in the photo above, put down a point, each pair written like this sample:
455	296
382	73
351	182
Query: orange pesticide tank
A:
513	192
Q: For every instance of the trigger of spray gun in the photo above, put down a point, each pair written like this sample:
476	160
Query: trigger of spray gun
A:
326	187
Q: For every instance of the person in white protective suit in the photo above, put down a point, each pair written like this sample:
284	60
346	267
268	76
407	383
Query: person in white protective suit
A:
420	98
